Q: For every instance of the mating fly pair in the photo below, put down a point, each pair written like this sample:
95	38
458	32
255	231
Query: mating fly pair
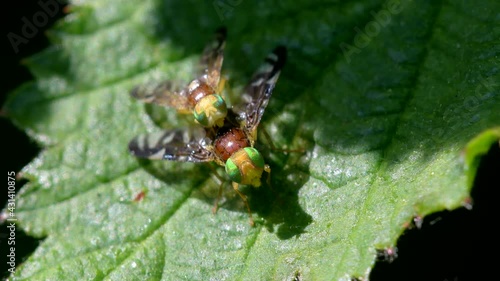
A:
228	135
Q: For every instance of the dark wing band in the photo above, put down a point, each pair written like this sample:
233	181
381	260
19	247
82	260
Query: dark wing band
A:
258	92
212	58
177	145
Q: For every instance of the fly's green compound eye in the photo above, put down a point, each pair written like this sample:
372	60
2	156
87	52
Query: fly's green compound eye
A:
255	157
233	171
210	110
245	166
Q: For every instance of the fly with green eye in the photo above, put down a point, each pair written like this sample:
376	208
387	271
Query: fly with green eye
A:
230	145
200	97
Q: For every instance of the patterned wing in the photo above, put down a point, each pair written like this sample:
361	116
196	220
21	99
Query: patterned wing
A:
164	94
258	92
177	145
212	58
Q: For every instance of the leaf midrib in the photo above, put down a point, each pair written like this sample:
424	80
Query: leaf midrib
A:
379	167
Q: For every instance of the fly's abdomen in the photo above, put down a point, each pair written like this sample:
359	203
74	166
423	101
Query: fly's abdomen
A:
229	142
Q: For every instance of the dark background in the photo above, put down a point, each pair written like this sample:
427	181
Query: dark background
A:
17	150
450	246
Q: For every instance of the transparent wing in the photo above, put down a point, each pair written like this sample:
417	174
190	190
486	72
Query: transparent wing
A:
258	92
166	93
169	94
178	145
212	58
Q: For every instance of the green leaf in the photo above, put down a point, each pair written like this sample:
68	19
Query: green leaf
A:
383	96
477	148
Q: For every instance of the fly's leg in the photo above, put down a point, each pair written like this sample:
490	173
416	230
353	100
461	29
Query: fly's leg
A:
219	193
222	84
267	169
245	201
225	90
